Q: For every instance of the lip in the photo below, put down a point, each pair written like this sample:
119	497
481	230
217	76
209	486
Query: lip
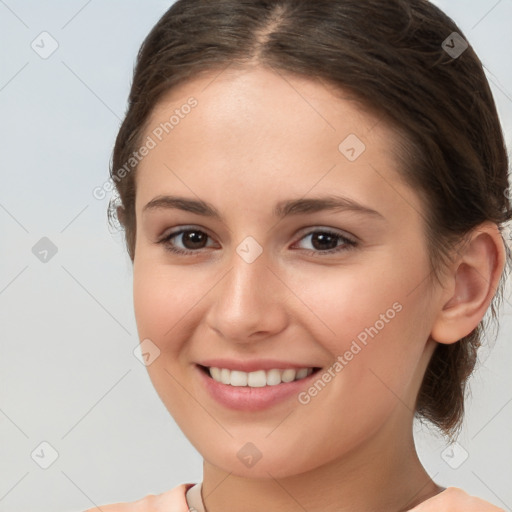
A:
245	398
253	365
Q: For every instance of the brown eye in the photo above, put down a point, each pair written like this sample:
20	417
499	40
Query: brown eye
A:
193	240
328	242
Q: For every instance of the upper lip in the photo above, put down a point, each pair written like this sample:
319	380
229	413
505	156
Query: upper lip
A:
253	364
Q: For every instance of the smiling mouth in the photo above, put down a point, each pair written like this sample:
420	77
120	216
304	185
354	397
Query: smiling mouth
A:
258	378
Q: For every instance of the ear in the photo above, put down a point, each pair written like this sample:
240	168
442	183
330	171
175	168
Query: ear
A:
472	283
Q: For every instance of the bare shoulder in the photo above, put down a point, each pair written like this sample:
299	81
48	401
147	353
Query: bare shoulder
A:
454	499
145	504
170	501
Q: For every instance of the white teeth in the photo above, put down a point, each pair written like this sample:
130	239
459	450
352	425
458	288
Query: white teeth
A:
303	372
225	376
273	377
215	373
238	378
259	378
288	375
255	379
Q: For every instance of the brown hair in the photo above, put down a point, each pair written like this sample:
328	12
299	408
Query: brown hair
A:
390	55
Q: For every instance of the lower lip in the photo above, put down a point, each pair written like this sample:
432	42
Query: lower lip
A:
246	398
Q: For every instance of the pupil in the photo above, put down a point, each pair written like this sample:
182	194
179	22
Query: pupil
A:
324	237
195	238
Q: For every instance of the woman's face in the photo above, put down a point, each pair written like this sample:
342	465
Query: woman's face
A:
257	289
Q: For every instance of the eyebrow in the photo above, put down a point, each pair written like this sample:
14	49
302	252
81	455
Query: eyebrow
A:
282	209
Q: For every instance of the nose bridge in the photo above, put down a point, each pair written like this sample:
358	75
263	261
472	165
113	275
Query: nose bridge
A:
249	295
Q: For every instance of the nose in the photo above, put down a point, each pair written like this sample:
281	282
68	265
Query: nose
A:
248	303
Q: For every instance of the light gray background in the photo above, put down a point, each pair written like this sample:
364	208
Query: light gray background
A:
68	373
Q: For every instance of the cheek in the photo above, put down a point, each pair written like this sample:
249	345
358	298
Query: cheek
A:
162	307
162	298
375	319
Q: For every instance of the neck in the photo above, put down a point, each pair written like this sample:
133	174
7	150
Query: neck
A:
383	474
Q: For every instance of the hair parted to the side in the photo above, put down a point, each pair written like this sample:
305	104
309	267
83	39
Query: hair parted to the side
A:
388	55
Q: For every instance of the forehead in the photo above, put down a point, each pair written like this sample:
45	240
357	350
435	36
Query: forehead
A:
243	97
270	132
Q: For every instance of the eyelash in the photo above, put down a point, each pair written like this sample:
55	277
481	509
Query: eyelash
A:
348	243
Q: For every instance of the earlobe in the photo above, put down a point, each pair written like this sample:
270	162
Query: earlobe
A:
476	274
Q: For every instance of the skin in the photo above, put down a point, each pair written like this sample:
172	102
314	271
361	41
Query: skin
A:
255	138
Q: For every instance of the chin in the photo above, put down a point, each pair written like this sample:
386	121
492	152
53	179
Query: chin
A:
247	462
